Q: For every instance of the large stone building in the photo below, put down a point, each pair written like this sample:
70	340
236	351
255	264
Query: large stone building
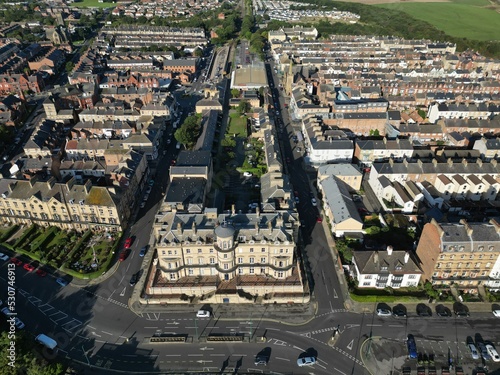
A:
230	258
462	254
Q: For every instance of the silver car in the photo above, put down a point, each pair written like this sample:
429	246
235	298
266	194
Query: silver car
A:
306	361
473	351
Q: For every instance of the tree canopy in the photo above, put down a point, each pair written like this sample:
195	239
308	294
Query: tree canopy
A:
189	131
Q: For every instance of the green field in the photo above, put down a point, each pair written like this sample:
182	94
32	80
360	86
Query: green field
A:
93	4
459	18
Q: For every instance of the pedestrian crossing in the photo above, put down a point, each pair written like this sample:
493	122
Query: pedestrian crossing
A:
57	316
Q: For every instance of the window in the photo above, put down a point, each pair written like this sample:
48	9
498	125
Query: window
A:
240	271
459	265
201	261
199	251
190	260
263	250
240	260
366	283
280	274
172	276
225	256
477	265
438	265
252	260
435	274
190	271
263	260
412	277
252	271
488	265
251	249
281	251
368	277
467	265
226	266
169	252
188	251
263	270
163	252
212	260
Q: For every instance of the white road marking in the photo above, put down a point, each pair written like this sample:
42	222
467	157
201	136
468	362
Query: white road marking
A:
283	359
107	333
217	355
374	325
172	355
123	292
151	327
321	366
335	295
195	355
339	371
349	346
91	327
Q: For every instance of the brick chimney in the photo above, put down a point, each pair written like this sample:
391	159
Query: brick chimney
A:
468	228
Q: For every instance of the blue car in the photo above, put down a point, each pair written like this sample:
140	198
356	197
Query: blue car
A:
143	251
412	347
61	281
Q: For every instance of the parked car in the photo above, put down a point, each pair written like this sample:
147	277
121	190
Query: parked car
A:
134	279
16	261
146	197
412	347
484	352
123	255
143	251
6	311
4	257
473	351
148	189
261	359
313	202
384	312
128	243
203	314
142	205
496	313
28	267
399	311
247	174
40	272
19	324
319	219
306	361
61	281
493	353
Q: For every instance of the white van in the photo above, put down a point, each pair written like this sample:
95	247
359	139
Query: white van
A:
46	341
178	146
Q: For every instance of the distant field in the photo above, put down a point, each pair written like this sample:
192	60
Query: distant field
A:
472	19
93	4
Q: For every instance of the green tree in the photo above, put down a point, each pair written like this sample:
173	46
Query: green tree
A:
235	93
69	66
243	107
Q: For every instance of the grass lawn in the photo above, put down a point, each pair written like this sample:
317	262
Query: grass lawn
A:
237	125
459	18
93	4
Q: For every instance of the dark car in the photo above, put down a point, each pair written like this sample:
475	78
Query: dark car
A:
423	310
143	251
412	347
443	311
261	360
134	279
399	311
123	255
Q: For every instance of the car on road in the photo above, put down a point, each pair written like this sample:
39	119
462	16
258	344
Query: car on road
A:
123	255
148	189
261	359
41	273
143	251
247	174
6	311
496	313
314	202
306	361
423	310
134	279
493	353
296	193
128	243
473	351
16	261
4	257
203	314
142	205
28	267
297	200
61	281
151	182
412	347
384	312
146	197
319	219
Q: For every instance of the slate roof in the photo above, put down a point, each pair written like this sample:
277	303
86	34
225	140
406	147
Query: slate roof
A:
373	262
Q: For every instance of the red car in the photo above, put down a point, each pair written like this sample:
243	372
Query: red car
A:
28	267
296	193
128	243
319	219
123	255
41	273
16	261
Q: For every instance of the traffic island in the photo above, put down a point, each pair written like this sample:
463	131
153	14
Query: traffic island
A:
383	356
334	338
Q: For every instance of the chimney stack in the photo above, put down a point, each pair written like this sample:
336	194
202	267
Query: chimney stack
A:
496	225
407	257
389	250
233	209
179	227
375	257
468	228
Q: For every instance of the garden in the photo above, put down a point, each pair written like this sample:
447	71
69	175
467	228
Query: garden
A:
83	255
